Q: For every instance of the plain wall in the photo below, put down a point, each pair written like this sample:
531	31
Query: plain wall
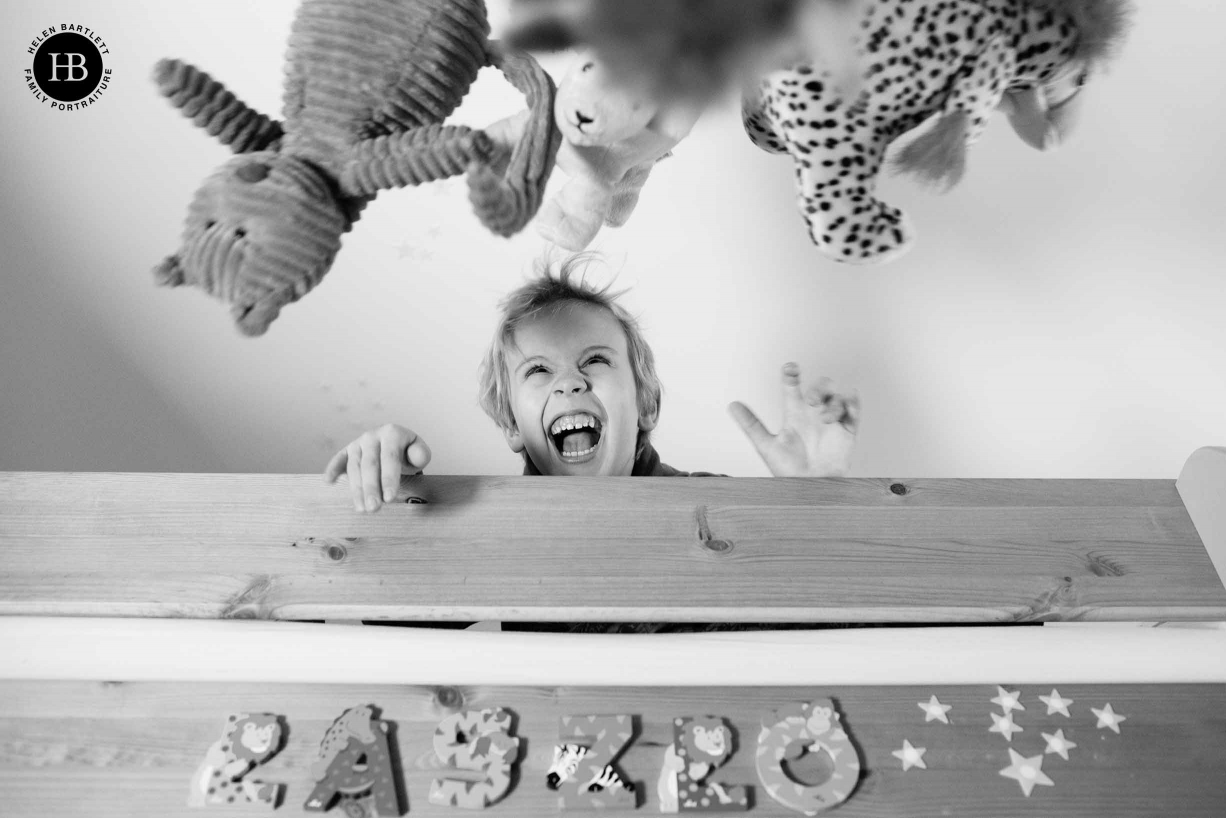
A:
1062	315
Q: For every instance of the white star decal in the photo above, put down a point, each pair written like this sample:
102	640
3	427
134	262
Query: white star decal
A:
1056	703
1108	718
910	756
1007	699
1004	725
1057	743
934	710
1026	771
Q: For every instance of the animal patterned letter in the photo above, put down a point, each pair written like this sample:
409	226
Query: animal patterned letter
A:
355	767
478	740
582	771
699	747
247	742
786	735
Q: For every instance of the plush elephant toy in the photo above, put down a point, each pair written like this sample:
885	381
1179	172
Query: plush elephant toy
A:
952	61
368	85
611	138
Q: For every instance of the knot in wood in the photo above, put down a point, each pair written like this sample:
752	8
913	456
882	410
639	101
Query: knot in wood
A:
336	553
449	698
898	488
717	546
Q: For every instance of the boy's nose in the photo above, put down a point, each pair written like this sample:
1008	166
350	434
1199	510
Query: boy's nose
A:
570	384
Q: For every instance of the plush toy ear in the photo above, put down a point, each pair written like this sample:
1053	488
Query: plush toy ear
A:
168	273
938	156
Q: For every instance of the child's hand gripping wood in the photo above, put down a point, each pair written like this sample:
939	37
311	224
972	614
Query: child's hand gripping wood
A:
374	463
819	429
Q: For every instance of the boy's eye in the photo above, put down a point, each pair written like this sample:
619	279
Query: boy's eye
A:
534	369
596	359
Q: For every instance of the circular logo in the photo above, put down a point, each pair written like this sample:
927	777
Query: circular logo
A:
68	70
68	66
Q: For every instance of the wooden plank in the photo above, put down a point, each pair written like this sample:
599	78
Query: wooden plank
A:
196	650
72	748
603	549
1202	487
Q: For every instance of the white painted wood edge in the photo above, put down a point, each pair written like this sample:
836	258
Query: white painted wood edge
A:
41	648
1202	487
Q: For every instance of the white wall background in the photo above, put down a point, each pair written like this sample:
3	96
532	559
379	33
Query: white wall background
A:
1064	315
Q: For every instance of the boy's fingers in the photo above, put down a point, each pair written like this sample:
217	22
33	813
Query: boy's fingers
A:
335	467
354	469
793	400
820	391
371	494
852	420
750	425
417	455
390	454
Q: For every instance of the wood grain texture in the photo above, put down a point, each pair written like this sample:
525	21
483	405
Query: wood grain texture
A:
603	549
129	749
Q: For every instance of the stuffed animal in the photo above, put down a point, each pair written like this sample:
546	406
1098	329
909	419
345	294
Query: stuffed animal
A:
611	139
951	60
682	50
368	85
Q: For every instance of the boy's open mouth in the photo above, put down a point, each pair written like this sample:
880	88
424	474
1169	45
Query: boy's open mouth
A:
575	435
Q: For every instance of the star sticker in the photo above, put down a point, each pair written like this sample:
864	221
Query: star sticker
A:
934	710
1057	743
1026	771
1004	725
1007	699
910	756
1056	703
1108	718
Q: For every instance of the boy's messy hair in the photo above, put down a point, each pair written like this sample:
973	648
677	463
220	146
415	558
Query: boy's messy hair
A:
547	292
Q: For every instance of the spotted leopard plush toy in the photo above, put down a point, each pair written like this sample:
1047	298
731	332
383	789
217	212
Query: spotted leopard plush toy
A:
368	85
952	61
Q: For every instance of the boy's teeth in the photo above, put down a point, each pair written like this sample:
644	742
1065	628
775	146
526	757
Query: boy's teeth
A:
579	454
576	421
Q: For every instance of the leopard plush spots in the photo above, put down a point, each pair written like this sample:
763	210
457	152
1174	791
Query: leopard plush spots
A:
955	60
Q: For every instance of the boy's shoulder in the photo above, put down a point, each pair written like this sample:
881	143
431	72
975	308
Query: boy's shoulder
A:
649	464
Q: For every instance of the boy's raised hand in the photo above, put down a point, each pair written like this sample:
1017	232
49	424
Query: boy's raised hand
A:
819	429
374	463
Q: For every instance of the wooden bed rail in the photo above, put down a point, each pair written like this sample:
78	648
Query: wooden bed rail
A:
615	549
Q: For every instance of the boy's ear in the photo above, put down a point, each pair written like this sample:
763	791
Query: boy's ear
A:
647	422
514	439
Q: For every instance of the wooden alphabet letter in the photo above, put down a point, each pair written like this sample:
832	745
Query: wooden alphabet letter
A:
700	746
477	740
247	742
790	732
355	767
582	770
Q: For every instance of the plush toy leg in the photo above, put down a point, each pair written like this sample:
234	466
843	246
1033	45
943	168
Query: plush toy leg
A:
506	202
938	156
215	109
413	157
573	217
626	194
757	124
836	189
